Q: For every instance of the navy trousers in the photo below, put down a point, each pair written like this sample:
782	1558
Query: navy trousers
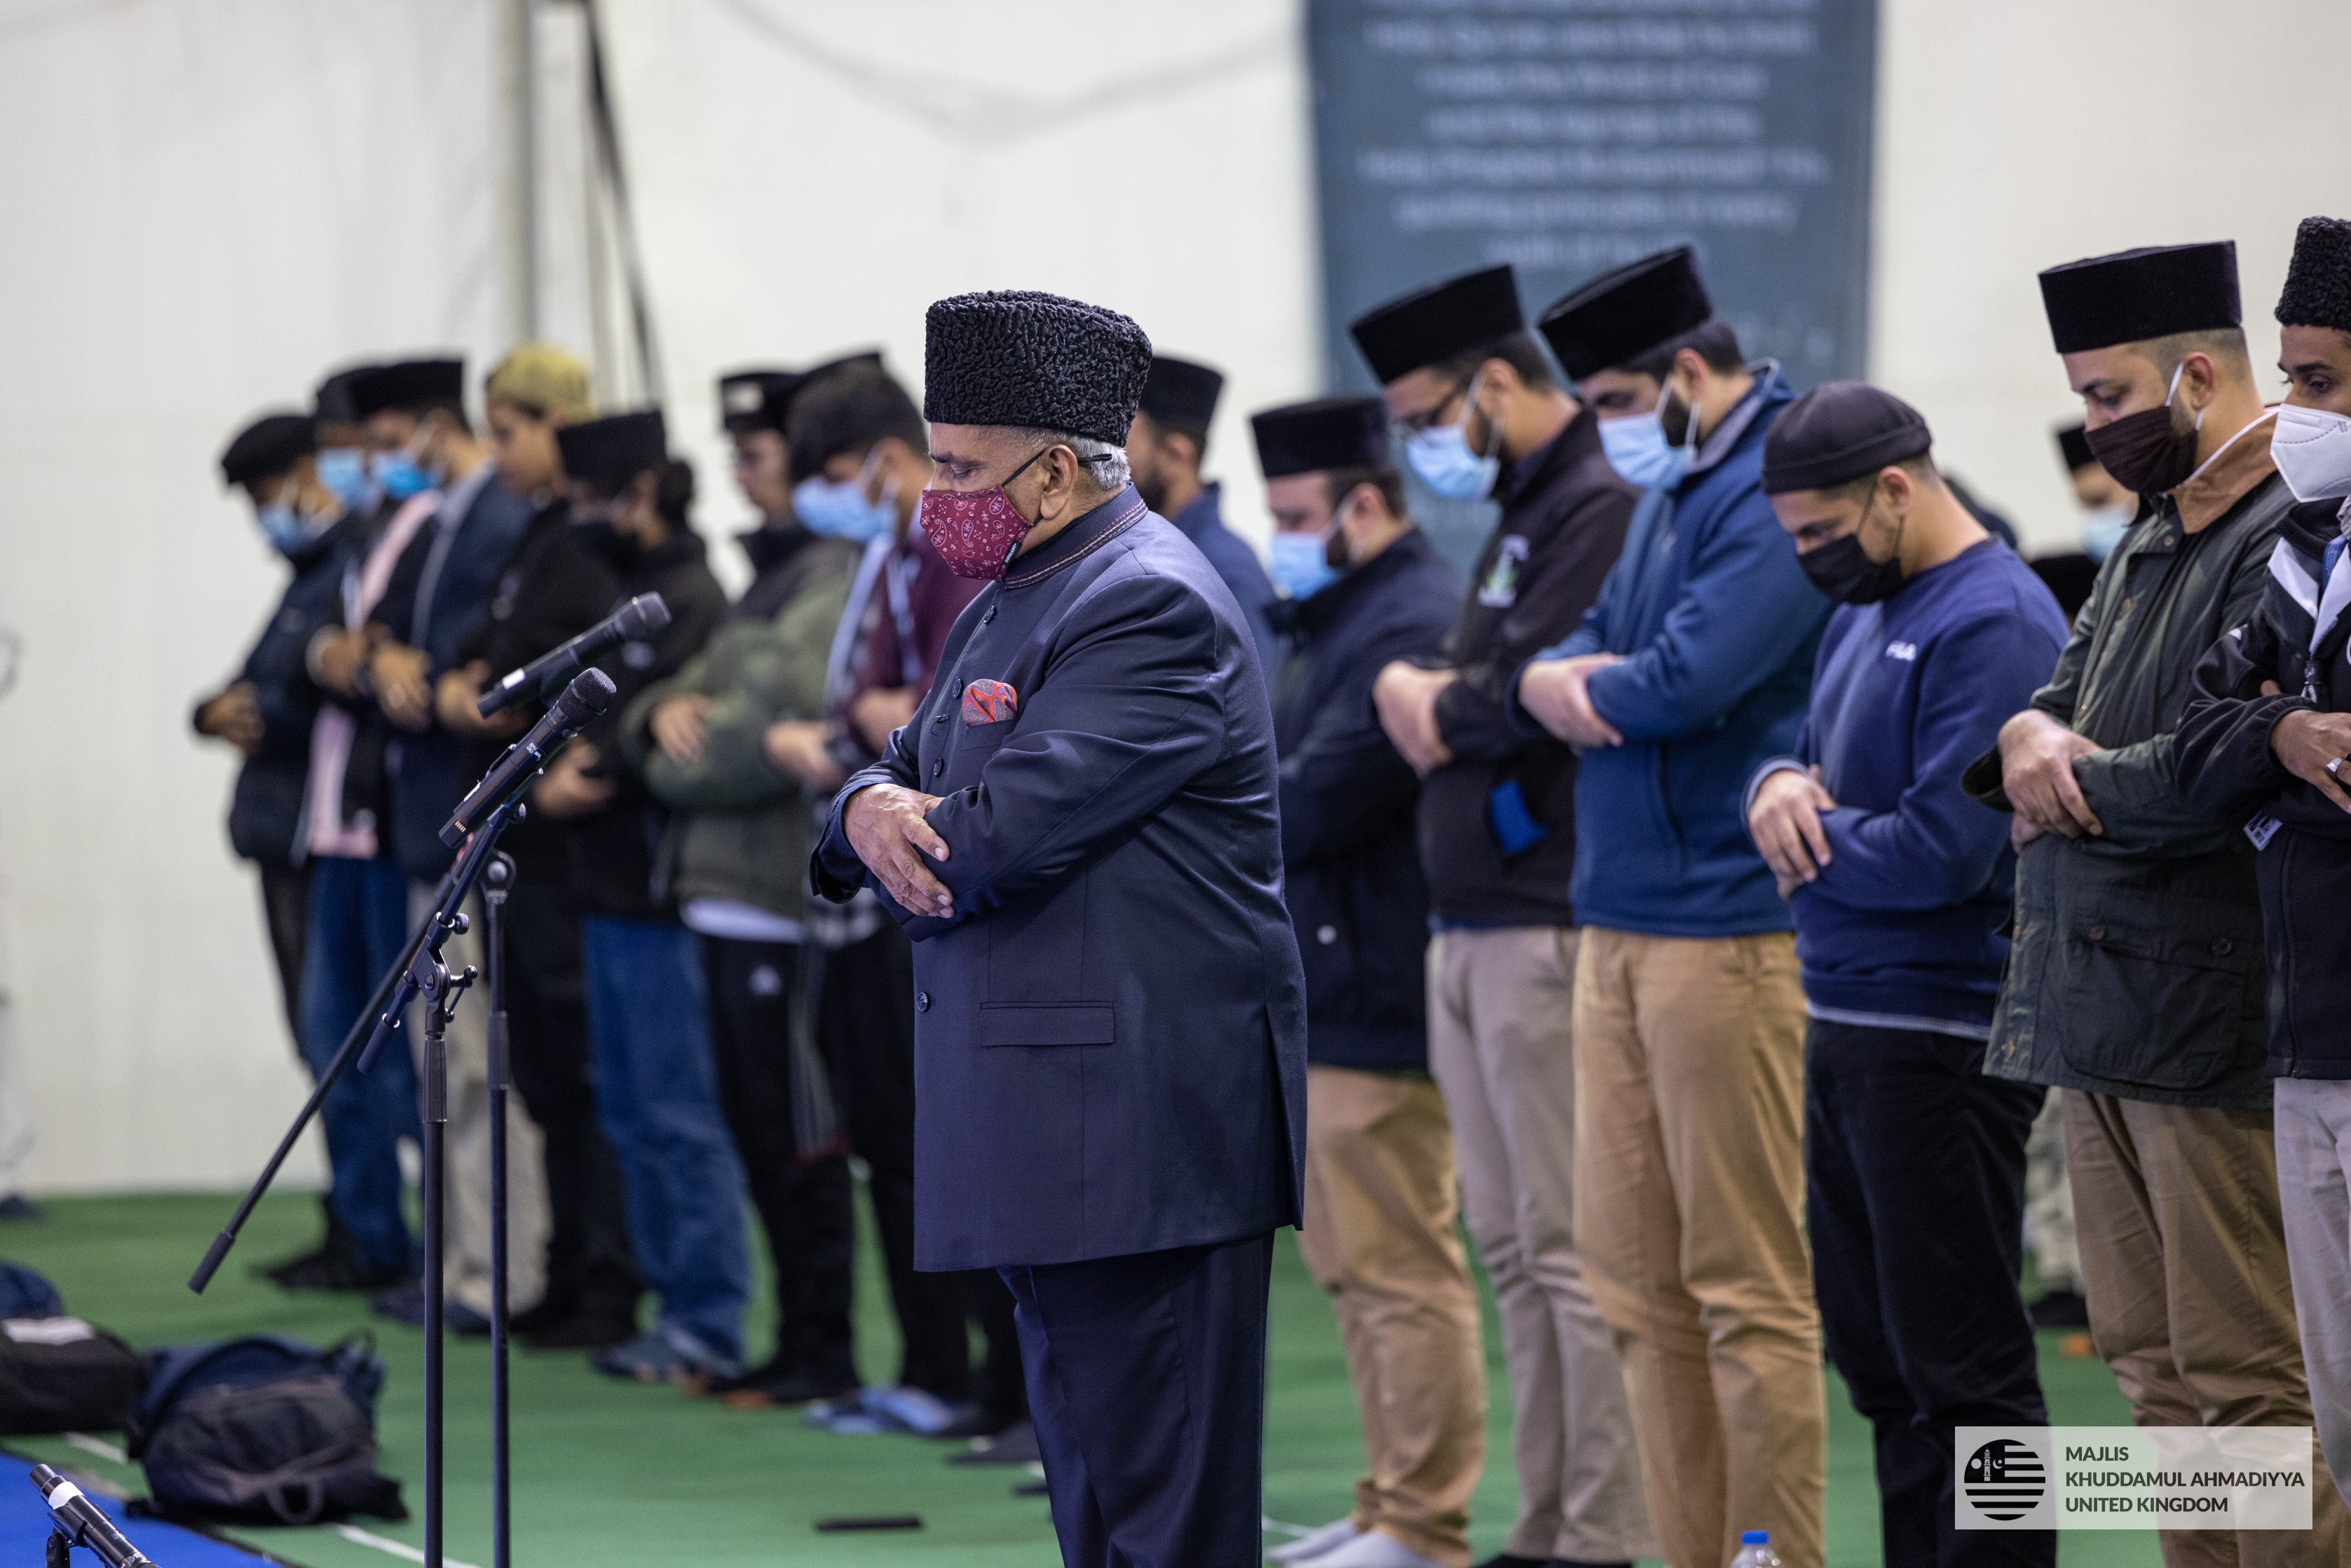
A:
1915	1166
1146	1383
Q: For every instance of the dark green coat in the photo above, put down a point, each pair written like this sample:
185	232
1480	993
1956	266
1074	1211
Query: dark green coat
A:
2137	968
740	829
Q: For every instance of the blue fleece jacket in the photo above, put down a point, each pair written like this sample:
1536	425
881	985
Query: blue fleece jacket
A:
1902	930
1715	624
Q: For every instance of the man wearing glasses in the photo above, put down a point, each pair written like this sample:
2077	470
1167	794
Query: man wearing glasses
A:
1482	413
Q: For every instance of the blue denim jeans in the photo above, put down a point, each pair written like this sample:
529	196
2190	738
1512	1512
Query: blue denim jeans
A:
359	923
657	1097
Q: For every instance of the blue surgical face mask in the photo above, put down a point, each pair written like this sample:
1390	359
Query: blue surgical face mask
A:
2102	530
1299	563
1638	448
282	525
398	474
343	470
839	509
1441	456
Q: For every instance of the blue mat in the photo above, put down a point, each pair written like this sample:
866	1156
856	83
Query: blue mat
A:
25	1530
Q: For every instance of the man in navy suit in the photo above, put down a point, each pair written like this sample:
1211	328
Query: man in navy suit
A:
1079	829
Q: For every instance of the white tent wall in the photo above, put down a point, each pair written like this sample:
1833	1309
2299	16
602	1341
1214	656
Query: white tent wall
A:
210	201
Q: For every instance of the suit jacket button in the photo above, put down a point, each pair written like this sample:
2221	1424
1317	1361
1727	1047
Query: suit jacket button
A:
2222	946
2096	933
921	1001
1326	935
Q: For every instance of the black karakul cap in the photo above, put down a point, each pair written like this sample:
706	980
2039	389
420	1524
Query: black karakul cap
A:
2132	295
1623	314
271	444
608	452
2073	443
2317	290
1433	324
755	400
407	385
1838	431
1020	357
332	403
1182	394
1327	432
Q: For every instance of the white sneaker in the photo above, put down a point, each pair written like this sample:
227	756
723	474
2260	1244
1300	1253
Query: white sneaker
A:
1373	1549
1315	1543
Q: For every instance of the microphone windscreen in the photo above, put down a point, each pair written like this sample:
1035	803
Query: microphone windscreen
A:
646	613
591	692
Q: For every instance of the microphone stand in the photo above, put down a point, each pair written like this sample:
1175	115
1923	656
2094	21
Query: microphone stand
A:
421	974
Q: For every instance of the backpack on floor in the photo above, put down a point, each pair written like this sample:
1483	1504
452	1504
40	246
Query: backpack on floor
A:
61	1374
25	1293
263	1430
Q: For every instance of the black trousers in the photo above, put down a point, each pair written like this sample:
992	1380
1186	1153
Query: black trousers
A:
285	909
1146	1378
806	1205
589	1260
1915	1168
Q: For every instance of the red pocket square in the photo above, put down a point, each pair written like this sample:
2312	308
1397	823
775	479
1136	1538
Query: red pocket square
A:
986	702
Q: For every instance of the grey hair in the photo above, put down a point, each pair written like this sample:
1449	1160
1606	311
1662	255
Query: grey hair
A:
1104	463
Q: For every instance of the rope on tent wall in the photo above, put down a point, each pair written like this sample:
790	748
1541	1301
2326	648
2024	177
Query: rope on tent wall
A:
624	223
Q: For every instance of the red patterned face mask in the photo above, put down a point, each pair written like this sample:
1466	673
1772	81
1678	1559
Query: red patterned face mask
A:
975	531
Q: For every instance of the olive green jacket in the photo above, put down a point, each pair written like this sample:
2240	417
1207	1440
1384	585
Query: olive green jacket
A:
2137	968
739	828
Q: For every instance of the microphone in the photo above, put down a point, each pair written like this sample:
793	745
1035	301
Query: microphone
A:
589	694
84	1523
639	617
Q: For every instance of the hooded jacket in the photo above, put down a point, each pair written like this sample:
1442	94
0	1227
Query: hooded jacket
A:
1717	626
2299	638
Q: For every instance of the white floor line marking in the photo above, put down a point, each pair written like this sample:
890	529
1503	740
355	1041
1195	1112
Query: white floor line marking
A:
97	1446
353	1533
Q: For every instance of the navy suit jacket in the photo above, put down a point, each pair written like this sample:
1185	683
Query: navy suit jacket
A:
1109	1031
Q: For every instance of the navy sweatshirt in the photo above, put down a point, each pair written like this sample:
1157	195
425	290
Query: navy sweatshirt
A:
1902	929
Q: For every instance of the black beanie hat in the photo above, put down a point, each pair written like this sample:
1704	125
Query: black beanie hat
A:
271	444
1431	325
755	400
1621	315
2134	296
1181	393
608	452
1018	358
2319	279
1838	431
408	384
1327	432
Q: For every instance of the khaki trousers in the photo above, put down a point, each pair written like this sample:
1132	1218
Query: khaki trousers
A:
2192	1302
1689	1181
466	1279
1501	1047
1380	1236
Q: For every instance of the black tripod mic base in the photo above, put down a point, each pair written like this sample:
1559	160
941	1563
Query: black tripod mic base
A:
213	1261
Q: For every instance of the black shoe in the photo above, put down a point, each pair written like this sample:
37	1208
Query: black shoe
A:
550	1311
1504	1560
2061	1310
335	1243
336	1267
1016	1445
778	1384
587	1328
405	1304
19	1209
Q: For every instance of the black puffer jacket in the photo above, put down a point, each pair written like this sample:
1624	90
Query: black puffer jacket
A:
2304	864
1354	882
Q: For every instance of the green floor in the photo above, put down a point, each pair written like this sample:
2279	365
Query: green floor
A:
610	1474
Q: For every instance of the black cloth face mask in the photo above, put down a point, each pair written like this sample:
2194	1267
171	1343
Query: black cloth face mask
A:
2145	451
1843	570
